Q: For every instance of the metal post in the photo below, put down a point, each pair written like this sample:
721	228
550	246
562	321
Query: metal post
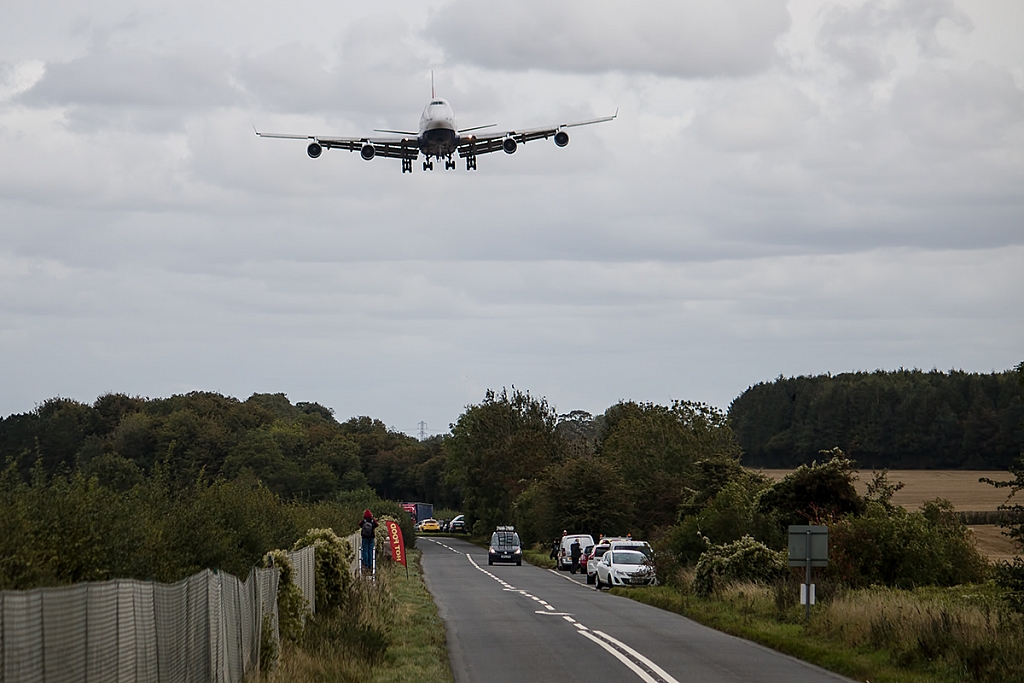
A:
807	580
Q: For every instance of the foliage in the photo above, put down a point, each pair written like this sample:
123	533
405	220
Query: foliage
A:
742	560
656	449
814	492
299	451
892	547
497	449
586	495
905	419
1010	577
731	514
333	558
291	606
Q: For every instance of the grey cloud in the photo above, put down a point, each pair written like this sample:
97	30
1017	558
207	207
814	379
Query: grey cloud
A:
856	37
686	38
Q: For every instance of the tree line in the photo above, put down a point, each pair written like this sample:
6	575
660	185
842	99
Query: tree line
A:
904	419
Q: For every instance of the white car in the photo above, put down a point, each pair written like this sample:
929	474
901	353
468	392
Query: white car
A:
625	568
597	553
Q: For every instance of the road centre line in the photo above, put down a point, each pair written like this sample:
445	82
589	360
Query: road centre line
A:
648	671
644	676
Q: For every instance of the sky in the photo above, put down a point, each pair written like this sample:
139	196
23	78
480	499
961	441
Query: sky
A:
790	188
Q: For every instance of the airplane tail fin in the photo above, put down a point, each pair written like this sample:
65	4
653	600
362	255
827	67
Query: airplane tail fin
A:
432	95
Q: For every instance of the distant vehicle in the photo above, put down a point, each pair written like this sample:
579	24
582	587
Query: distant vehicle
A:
430	525
625	568
419	511
565	549
438	137
631	544
585	557
505	546
457	525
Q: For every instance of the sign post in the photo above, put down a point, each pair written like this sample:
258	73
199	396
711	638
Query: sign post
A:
808	547
397	543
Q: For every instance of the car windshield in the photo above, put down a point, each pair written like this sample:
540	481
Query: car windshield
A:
505	539
599	551
627	557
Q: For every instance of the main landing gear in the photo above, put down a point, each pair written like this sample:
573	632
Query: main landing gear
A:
428	165
406	165
470	163
449	164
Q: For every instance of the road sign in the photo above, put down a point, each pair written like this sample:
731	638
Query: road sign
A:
808	542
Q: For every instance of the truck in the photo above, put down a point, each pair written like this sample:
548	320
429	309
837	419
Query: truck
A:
419	511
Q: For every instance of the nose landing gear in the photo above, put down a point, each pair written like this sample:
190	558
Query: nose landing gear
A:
449	164
428	165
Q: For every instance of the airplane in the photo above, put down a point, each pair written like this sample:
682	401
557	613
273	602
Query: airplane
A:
439	137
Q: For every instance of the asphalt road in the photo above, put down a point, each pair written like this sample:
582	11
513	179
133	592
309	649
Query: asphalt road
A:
509	623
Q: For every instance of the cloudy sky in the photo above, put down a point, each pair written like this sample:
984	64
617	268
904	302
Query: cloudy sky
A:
790	188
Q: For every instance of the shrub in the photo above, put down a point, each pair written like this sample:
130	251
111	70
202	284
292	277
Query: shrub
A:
893	547
333	558
814	492
742	560
291	606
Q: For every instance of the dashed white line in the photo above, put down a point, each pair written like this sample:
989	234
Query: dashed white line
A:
644	676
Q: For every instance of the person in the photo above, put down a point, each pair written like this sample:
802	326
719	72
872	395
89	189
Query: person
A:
367	529
554	549
574	553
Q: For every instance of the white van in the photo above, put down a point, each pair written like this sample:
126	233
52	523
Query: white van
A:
565	549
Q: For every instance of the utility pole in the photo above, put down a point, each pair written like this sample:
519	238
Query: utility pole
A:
423	430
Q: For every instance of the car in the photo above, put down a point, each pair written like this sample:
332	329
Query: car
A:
625	568
430	525
457	525
631	544
505	546
585	557
597	552
565	549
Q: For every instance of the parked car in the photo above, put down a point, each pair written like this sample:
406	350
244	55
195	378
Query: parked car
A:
598	552
630	544
625	568
584	558
430	525
457	525
505	546
565	549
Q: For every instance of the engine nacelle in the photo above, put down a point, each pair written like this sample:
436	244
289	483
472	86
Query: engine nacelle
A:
509	146
367	152
561	138
314	150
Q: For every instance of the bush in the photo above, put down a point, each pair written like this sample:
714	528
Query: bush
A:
892	547
333	559
291	606
814	492
742	560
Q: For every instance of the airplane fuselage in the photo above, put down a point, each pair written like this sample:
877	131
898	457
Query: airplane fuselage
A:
438	133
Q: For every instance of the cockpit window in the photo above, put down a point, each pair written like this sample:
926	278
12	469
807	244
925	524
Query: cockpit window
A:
436	102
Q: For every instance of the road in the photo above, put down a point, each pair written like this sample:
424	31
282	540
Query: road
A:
510	623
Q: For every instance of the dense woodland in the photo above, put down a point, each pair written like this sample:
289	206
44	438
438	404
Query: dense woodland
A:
906	419
215	479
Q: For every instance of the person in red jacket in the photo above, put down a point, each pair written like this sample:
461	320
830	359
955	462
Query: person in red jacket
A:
367	529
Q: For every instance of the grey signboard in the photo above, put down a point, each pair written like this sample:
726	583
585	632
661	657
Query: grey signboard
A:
808	539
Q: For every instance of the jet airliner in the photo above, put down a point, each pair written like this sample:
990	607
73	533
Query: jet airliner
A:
439	137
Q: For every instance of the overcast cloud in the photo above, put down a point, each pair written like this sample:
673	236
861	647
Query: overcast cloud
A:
790	188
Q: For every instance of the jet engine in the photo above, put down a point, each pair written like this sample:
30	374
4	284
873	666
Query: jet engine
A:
314	150
561	138
367	152
509	146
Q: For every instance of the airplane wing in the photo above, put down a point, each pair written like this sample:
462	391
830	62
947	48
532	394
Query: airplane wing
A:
486	143
390	147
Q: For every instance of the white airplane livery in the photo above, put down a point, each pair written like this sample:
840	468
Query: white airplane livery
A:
439	137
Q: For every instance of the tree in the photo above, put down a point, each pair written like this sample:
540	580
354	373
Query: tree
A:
497	449
814	492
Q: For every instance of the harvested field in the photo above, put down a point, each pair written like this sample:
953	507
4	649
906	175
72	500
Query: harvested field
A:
991	542
961	487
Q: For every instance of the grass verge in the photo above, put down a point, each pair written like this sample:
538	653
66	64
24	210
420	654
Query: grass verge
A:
389	632
879	635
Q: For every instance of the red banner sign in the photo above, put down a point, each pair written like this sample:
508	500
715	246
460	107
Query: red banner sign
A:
397	542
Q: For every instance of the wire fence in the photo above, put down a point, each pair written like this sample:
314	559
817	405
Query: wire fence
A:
203	628
304	574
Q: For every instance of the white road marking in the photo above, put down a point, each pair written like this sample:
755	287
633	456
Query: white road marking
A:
618	649
653	667
644	676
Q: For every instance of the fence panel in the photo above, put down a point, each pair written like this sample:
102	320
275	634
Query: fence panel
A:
205	628
304	574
